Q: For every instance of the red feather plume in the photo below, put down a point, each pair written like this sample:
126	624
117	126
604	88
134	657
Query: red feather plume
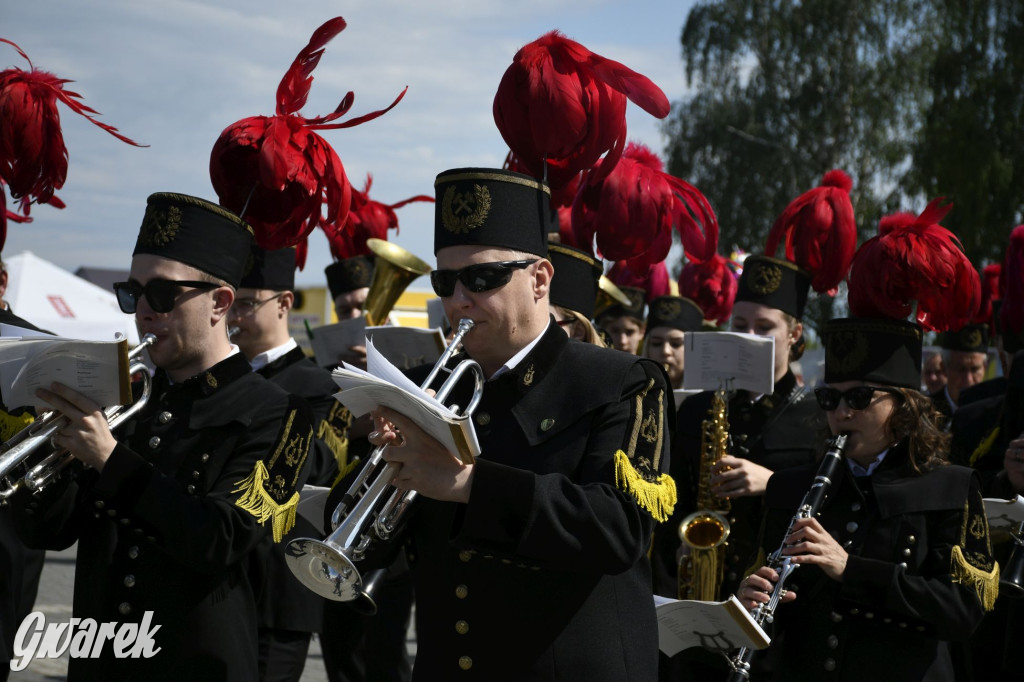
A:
33	158
1011	312
560	103
653	279
367	219
915	260
989	294
276	170
711	285
819	231
632	210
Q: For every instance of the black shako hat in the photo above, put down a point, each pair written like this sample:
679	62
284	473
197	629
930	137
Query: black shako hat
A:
195	232
492	207
637	300
575	282
675	312
881	351
971	338
273	270
774	282
349	274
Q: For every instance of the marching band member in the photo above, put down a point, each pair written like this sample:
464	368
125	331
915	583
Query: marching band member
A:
574	290
288	612
897	565
542	540
668	320
965	359
169	512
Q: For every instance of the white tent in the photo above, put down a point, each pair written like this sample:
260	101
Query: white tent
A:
65	304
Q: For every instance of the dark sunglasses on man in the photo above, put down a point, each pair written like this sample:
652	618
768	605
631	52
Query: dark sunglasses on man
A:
477	278
857	398
161	294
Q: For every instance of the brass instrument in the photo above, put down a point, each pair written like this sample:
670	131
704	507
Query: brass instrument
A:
783	565
18	469
361	523
608	295
1011	576
394	268
706	530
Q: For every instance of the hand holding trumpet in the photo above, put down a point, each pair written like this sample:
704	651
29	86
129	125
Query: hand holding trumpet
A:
87	434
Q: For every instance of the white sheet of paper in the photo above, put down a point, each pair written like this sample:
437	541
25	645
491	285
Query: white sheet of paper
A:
330	341
742	361
1005	515
683	624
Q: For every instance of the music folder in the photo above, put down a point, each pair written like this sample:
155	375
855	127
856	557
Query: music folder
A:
714	625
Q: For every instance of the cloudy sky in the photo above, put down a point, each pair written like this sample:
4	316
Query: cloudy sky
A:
174	73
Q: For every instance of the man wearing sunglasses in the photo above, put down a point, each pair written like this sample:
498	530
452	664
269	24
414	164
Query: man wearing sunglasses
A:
171	508
531	562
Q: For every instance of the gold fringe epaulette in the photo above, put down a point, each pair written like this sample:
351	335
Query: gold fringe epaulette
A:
337	444
257	501
984	446
986	584
657	497
11	424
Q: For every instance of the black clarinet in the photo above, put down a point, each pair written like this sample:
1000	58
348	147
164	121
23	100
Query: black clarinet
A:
783	565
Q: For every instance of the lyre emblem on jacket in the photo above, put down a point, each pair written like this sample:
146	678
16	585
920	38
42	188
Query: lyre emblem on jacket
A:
649	427
528	377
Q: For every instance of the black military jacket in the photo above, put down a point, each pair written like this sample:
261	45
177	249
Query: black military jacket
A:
282	601
919	572
163	527
778	432
543	575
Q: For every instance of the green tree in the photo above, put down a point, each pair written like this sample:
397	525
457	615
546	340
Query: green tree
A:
971	144
785	91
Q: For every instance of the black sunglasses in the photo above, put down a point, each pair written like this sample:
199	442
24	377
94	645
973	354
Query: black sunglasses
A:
857	398
477	278
161	294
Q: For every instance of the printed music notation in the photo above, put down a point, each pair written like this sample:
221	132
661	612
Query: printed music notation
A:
743	361
715	625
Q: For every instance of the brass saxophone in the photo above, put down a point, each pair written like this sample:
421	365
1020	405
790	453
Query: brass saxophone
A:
706	530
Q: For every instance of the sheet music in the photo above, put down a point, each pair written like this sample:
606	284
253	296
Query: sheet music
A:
746	361
725	625
1004	515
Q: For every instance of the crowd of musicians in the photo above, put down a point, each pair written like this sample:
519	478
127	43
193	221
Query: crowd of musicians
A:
540	558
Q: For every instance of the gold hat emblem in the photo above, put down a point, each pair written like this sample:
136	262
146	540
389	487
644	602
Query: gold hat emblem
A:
765	278
160	225
356	268
970	337
463	212
667	310
846	351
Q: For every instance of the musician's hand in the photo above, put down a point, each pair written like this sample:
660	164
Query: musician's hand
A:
735	477
355	355
1013	463
757	587
427	467
87	435
809	543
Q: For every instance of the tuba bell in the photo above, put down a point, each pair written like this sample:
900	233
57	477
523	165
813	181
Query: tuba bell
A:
373	511
28	461
706	530
394	268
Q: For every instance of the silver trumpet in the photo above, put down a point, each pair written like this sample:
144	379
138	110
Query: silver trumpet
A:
29	461
364	520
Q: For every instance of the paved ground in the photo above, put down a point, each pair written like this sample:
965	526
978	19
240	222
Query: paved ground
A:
54	601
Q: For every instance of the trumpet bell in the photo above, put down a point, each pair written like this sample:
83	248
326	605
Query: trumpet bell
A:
393	270
325	569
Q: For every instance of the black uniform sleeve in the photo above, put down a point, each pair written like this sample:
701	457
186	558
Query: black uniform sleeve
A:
601	518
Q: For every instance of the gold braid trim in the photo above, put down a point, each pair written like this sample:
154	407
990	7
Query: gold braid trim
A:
984	446
657	497
985	584
257	501
11	424
346	470
337	444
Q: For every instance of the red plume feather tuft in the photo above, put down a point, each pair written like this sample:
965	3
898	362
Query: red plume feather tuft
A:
989	294
367	219
1011	312
559	107
819	231
276	171
633	209
33	158
653	279
711	285
915	260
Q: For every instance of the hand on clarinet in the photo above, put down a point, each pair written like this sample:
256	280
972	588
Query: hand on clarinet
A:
809	543
757	587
